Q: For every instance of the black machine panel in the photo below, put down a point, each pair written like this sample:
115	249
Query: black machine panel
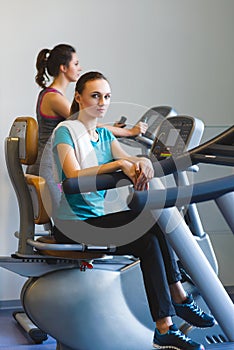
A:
153	118
173	136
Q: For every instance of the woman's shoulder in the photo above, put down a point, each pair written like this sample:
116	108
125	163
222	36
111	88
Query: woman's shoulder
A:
70	127
62	135
52	103
61	130
51	90
105	134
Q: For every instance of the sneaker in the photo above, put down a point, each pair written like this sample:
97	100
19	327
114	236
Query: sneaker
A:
191	313
174	339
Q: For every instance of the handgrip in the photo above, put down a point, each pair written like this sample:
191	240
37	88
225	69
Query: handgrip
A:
95	183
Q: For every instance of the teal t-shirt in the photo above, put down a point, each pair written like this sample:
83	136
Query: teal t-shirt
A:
87	205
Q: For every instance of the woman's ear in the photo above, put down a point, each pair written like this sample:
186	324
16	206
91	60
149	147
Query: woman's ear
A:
77	97
63	68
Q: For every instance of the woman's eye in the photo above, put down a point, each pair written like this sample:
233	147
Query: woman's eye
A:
107	97
95	95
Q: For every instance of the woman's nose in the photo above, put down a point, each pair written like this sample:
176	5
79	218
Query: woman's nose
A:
101	101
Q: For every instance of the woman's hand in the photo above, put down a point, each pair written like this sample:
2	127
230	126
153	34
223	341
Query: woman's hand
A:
139	171
145	172
129	168
139	128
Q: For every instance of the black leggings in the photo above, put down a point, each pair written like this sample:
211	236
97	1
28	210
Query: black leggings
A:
157	259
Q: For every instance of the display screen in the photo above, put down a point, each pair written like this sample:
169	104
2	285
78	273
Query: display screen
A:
153	121
172	137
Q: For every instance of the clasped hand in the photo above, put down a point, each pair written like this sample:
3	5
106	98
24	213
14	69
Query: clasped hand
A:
140	171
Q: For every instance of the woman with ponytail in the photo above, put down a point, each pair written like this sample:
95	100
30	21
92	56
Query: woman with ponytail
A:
62	65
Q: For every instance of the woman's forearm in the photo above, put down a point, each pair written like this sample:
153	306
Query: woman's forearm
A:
95	170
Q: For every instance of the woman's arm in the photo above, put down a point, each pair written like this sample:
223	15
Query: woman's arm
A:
71	167
55	104
143	166
139	128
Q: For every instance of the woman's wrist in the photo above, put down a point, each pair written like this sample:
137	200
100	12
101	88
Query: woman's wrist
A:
120	164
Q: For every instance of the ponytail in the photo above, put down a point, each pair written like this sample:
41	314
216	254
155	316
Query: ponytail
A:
42	78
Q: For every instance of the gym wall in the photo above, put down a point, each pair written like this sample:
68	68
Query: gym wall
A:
154	52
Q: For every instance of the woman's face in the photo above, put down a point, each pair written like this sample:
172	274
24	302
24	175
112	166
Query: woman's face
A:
73	70
95	98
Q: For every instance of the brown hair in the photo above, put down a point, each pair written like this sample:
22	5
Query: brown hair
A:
49	61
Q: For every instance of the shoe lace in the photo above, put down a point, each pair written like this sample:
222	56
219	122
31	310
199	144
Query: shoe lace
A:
182	336
193	306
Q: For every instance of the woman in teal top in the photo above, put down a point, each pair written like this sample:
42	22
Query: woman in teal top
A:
81	149
78	202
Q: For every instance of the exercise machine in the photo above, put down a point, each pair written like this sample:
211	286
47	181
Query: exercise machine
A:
172	134
219	150
100	311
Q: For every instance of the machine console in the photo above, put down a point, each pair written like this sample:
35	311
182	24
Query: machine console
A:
153	117
176	135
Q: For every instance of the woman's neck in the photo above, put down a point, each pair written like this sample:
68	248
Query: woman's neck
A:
60	84
90	124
